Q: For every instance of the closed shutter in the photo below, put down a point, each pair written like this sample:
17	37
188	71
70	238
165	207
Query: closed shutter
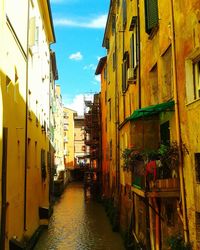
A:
124	13
132	63
124	76
198	227
32	31
151	14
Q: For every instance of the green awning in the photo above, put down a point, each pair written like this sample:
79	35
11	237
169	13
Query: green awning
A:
151	110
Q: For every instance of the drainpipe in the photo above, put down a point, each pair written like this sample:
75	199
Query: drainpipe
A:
178	128
157	224
117	114
139	54
26	119
152	240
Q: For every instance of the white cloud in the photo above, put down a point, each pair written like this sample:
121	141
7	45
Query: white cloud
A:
98	78
77	103
96	23
90	66
76	56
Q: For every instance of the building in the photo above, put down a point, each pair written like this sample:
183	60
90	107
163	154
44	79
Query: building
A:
79	143
69	157
106	174
59	133
24	83
152	115
186	65
93	131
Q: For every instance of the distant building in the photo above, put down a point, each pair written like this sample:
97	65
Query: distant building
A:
59	133
69	129
79	143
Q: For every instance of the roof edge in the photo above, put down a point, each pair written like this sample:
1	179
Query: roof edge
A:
100	65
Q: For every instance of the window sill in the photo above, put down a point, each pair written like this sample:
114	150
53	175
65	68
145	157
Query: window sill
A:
153	32
192	102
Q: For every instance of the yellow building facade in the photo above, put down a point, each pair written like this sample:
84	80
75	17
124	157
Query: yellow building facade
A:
69	115
24	90
59	132
106	173
152	89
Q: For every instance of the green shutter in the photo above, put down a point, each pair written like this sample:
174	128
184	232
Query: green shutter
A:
132	57
124	13
151	14
124	68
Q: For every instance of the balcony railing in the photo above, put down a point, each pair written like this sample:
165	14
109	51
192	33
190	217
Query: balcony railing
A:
160	183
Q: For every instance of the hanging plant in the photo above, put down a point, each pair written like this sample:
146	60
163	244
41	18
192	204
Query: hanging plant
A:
168	155
131	157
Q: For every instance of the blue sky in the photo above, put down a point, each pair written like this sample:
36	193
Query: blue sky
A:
79	28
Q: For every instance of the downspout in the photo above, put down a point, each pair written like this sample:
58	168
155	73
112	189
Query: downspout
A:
123	93
151	224
139	54
117	118
157	224
26	119
178	128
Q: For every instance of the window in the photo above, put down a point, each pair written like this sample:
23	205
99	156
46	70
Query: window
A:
192	66
197	166
29	104
36	113
33	32
198	227
35	157
167	75
165	133
29	153
114	61
153	80
107	44
196	79
110	109
134	49
105	73
169	210
113	24
125	67
151	15
110	149
124	7
43	165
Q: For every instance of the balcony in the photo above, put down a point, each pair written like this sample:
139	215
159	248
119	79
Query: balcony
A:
162	184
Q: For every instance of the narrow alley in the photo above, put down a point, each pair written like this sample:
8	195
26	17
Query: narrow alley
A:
78	224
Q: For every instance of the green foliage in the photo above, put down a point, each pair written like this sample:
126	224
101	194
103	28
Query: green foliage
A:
176	242
131	156
168	155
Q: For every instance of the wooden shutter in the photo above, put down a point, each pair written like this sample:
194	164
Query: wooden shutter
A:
113	24
124	13
32	32
124	76
132	57
151	14
198	227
